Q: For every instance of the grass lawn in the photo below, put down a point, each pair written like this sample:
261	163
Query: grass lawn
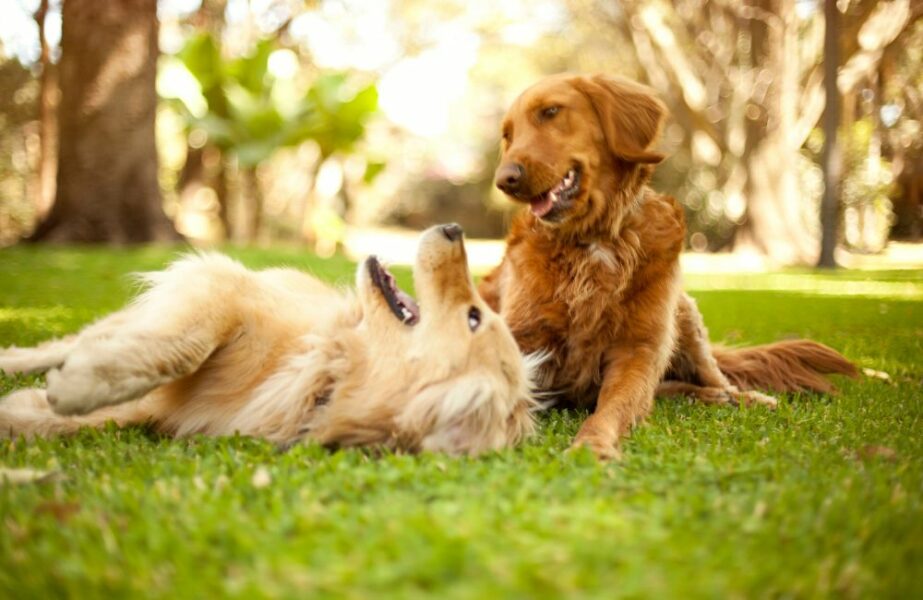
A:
822	497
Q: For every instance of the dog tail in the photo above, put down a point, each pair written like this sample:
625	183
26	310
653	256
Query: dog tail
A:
789	366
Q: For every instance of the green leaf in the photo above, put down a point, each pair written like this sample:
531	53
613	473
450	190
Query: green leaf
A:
252	71
202	57
252	153
256	117
221	132
372	170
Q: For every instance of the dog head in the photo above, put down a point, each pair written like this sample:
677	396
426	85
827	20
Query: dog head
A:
564	136
440	374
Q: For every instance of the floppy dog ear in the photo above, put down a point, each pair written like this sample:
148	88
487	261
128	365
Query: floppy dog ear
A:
468	415
629	113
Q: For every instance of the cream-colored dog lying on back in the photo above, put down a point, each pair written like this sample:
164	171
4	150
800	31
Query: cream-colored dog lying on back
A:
214	348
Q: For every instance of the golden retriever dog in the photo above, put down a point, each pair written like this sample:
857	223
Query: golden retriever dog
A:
213	348
591	272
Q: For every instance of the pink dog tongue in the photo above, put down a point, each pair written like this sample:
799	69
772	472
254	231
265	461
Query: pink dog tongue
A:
541	206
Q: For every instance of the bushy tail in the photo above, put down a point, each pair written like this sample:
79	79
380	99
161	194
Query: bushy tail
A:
789	366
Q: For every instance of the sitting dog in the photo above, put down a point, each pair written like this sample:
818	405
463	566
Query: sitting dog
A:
591	273
214	348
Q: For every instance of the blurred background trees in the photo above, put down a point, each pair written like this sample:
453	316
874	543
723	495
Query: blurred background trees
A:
296	120
106	186
745	82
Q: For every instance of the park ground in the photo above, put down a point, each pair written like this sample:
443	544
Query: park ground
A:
822	497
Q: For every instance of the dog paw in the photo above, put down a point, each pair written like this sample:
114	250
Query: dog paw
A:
75	391
753	398
600	441
603	450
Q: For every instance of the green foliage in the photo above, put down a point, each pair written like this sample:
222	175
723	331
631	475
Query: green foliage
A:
246	116
202	56
867	179
865	187
336	120
820	498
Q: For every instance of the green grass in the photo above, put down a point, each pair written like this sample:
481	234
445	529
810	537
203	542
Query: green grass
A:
819	498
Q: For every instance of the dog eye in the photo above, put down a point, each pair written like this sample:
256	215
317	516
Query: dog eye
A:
474	318
550	112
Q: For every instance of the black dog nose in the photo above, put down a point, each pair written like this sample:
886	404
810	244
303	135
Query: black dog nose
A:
509	177
453	231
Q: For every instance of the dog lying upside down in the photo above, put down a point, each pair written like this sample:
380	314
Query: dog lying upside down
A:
591	272
214	348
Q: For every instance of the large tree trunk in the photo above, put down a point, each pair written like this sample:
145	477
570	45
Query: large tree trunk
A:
830	161
48	99
774	223
107	188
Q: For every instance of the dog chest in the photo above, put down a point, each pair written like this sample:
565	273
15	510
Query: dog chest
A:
569	305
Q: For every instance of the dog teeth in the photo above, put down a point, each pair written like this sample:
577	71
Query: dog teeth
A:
407	314
563	189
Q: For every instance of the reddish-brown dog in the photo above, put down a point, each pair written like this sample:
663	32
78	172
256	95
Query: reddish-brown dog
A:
591	273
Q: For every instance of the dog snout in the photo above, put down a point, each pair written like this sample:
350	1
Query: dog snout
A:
453	231
509	178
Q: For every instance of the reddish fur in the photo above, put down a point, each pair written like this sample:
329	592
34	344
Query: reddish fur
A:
790	366
600	288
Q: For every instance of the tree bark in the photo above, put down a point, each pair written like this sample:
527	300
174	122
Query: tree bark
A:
774	224
107	188
252	204
223	190
830	160
48	144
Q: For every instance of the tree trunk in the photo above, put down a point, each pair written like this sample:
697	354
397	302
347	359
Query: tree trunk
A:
48	145
830	160
252	204
774	224
308	202
107	189
223	190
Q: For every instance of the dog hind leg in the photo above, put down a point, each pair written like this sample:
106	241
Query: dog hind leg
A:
694	371
27	413
694	358
715	395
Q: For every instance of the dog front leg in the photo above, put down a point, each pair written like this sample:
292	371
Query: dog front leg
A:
52	353
37	359
625	398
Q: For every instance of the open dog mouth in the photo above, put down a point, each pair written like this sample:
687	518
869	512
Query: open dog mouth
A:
400	302
559	196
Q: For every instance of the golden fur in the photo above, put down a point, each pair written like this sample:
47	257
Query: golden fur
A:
591	273
213	348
